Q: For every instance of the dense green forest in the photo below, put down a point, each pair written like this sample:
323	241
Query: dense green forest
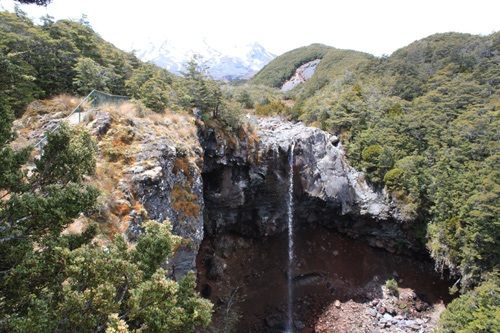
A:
422	123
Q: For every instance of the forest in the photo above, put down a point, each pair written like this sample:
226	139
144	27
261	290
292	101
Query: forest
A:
422	123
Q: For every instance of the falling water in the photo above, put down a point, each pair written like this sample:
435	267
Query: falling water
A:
289	326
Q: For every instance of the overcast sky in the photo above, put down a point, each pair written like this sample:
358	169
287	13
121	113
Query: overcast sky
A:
373	26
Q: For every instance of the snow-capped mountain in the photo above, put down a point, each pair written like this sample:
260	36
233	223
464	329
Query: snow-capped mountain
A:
235	62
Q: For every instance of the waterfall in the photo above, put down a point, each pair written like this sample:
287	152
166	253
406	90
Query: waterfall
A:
289	325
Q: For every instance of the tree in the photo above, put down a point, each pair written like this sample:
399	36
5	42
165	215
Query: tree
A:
231	114
477	310
111	287
90	75
154	94
35	209
16	82
202	91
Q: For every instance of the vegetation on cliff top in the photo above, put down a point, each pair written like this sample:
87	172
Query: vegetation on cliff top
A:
57	280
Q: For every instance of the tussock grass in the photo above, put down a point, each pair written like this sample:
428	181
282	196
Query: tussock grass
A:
66	102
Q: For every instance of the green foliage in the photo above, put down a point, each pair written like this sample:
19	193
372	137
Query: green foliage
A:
477	310
334	63
394	179
392	287
69	57
424	123
11	174
16	82
106	287
245	99
89	76
272	108
282	68
231	114
201	91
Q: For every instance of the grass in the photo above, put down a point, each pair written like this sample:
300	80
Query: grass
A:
64	104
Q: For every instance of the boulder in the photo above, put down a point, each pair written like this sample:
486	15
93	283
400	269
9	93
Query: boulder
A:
101	123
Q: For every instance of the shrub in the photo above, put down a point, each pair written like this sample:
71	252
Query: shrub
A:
392	287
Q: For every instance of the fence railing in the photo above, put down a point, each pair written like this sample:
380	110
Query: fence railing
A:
96	98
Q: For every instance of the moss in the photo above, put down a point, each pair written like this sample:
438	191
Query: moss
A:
181	164
241	134
392	287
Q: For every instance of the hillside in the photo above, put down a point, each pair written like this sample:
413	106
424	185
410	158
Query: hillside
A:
422	124
333	62
283	67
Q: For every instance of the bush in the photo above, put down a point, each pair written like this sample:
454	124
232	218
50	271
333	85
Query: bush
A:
394	179
392	287
475	311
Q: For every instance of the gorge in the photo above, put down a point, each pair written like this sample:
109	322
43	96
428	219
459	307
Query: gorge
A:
279	228
349	240
396	161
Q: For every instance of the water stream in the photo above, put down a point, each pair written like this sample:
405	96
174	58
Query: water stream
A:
289	325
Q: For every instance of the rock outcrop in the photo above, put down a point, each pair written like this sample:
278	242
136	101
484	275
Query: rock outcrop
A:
246	184
171	189
302	74
216	184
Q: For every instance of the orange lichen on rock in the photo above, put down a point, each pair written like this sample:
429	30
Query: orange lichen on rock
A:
181	164
185	203
122	209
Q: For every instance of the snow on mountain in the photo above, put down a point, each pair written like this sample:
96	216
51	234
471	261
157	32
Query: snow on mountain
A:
226	63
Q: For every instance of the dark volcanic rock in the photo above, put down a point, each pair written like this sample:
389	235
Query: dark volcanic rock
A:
101	124
171	189
246	186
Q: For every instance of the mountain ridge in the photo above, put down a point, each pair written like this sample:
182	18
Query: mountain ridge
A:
235	62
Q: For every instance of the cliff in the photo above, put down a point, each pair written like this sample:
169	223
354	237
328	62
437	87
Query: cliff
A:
206	182
246	183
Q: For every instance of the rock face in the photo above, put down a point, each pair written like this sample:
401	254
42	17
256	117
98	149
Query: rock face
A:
172	189
246	184
301	75
216	184
161	179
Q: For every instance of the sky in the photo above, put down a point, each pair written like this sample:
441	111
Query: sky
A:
377	27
